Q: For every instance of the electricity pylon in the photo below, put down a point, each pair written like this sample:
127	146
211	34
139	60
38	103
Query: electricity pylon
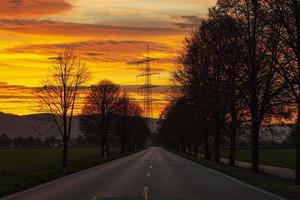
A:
147	88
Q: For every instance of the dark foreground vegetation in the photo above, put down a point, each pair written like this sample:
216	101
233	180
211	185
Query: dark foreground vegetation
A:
22	168
280	186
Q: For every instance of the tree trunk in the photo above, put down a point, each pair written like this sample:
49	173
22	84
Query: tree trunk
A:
123	147
297	169
65	153
103	153
183	146
196	145
107	147
217	144
189	146
206	149
255	146
65	141
233	139
297	135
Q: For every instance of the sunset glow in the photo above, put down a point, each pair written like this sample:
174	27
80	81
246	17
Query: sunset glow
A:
108	35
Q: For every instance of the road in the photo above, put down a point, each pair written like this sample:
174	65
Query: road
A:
153	174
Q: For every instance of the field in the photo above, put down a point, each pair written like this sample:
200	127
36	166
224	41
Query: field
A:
275	157
23	168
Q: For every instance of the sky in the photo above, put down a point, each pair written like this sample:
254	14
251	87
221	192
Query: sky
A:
108	34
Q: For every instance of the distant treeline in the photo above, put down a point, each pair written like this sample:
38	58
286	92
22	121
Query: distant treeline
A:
49	141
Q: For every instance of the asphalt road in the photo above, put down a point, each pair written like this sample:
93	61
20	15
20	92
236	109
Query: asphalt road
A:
152	174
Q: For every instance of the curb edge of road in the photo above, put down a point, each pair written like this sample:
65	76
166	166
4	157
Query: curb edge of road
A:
68	176
231	178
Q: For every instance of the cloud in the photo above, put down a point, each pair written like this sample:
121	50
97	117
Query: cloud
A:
54	28
187	21
96	51
32	8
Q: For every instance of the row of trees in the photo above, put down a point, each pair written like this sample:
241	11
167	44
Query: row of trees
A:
239	67
105	112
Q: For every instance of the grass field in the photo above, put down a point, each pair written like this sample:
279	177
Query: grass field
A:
22	168
274	184
275	157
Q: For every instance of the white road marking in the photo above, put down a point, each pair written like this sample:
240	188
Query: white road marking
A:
95	197
150	166
148	174
145	192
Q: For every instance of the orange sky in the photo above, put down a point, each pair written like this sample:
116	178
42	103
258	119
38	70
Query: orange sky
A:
107	33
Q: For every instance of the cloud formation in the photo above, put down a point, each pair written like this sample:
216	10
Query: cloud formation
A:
46	27
108	34
96	50
32	8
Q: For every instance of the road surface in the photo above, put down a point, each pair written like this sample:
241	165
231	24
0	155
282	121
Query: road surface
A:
153	174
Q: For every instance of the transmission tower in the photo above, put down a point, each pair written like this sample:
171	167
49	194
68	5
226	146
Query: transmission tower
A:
147	88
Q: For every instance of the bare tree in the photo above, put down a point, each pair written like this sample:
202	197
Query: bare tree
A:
58	95
100	106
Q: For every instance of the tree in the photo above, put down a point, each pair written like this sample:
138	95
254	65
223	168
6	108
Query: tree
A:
263	88
208	73
283	18
98	112
190	82
58	95
179	126
127	110
230	49
5	140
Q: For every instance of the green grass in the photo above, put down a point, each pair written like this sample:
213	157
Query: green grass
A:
274	184
22	168
275	157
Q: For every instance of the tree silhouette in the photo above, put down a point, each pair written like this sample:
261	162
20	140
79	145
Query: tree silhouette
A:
208	73
126	111
283	18
98	112
263	88
179	126
58	95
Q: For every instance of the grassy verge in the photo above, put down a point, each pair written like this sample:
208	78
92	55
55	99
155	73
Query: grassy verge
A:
274	157
22	168
276	185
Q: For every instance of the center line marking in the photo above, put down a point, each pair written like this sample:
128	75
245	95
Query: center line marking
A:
148	174
145	192
150	166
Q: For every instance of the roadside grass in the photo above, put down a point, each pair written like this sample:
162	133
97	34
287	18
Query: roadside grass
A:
274	157
280	186
22	168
